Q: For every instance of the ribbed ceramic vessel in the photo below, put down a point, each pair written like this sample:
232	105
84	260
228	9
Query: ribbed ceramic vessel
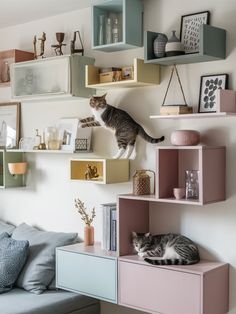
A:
159	45
185	137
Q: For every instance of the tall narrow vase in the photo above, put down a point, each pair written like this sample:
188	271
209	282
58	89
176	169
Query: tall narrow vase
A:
88	235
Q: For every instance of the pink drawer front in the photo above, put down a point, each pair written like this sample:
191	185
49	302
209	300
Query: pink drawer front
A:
159	290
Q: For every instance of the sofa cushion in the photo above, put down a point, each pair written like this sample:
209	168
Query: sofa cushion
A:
4	227
39	269
13	256
18	301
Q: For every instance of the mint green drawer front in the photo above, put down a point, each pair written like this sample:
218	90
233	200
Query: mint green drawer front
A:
87	274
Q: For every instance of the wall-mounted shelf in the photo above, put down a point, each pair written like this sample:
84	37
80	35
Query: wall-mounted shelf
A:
49	151
194	115
129	14
12	56
50	78
6	179
212	47
144	75
103	171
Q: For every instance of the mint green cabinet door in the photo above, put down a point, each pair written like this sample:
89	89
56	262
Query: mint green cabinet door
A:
87	274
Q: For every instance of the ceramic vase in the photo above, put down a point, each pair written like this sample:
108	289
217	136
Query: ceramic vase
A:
159	45
174	47
179	193
88	235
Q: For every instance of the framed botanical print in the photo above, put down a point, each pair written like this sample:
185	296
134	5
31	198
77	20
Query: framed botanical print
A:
9	124
209	86
190	30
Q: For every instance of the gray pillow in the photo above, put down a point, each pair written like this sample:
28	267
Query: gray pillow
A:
13	256
4	227
39	270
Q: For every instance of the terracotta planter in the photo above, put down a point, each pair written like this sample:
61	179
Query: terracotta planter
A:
88	235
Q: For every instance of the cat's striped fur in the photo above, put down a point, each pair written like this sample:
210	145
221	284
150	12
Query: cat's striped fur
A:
125	127
166	249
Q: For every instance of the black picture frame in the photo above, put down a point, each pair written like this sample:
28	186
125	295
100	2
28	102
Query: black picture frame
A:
189	30
208	98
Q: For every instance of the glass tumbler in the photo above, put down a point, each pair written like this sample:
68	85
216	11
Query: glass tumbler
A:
52	140
192	184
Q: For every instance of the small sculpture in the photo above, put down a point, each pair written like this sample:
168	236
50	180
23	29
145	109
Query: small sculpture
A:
72	45
91	172
42	45
58	47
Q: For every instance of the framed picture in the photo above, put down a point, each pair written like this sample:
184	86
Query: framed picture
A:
9	124
68	132
208	91
190	30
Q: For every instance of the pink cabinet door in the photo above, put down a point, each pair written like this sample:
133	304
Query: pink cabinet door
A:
159	290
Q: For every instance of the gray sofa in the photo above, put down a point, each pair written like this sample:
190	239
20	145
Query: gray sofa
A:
19	301
34	291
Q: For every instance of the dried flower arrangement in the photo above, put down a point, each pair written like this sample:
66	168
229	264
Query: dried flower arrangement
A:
81	209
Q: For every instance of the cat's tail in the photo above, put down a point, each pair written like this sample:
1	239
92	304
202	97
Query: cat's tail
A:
148	138
171	261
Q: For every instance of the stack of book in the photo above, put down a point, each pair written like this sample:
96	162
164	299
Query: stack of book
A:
109	224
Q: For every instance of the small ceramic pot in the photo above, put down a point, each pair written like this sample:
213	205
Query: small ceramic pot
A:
17	168
179	193
185	138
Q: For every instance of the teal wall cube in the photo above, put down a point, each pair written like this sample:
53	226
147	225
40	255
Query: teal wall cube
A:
130	16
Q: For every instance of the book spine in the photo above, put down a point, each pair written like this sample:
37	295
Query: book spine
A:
113	229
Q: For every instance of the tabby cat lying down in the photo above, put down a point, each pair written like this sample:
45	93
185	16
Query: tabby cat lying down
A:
166	249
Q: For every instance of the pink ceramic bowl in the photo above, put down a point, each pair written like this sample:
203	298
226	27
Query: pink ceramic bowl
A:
185	137
179	193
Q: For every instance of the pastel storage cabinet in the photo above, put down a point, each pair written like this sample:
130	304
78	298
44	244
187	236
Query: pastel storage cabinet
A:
8	180
130	17
87	270
8	57
172	163
101	171
194	289
55	78
212	47
143	75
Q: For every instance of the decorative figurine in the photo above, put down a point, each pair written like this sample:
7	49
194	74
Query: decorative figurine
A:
72	45
58	47
91	172
42	45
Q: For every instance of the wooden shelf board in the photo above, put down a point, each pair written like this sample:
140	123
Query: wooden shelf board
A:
5	84
152	198
119	84
90	250
195	115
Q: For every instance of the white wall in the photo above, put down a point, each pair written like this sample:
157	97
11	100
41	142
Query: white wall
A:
48	199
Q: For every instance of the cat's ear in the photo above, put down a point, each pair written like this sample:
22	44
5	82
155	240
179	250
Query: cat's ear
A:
147	234
134	234
104	96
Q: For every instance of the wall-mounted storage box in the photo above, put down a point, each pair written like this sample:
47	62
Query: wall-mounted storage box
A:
90	272
101	171
7	58
197	289
8	180
129	14
144	75
56	77
172	163
212	47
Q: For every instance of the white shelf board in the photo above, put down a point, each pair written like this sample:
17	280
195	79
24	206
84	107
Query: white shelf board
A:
194	115
48	151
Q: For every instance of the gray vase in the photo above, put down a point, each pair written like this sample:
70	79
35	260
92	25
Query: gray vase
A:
159	45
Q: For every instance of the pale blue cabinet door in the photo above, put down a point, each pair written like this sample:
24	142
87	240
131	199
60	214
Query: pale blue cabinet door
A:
87	274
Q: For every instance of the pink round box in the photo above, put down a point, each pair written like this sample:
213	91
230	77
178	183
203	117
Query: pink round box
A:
185	137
